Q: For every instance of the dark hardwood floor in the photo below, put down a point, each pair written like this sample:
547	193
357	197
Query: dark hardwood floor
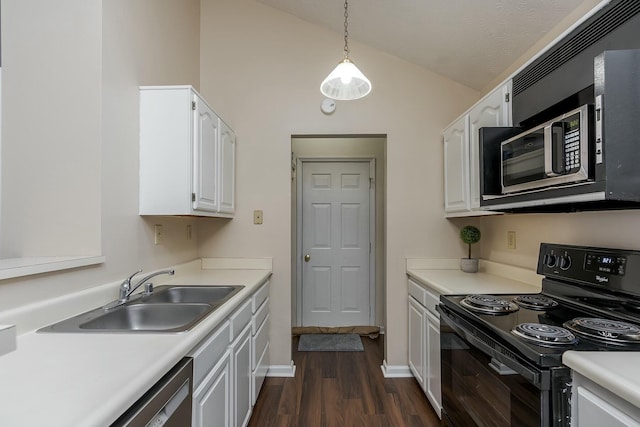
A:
342	389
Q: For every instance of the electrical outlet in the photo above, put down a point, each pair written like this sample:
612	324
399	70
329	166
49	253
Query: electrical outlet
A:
159	234
189	232
257	217
511	239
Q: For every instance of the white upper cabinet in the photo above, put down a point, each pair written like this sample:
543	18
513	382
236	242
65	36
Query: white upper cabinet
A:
462	151
456	166
228	169
187	155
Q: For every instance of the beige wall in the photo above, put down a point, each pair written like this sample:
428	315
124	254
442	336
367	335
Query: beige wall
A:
78	109
261	70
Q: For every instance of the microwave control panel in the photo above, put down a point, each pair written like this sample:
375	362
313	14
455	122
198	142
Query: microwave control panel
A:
572	143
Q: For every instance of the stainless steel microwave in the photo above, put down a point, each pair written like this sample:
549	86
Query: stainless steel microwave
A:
579	154
556	152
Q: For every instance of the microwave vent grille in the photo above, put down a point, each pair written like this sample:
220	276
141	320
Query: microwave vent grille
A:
615	16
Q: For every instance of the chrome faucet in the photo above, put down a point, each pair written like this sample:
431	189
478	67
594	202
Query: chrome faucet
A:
126	289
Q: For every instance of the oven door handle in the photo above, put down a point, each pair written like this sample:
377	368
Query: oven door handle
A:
451	320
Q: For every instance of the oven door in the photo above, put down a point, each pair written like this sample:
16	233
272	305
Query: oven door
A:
483	383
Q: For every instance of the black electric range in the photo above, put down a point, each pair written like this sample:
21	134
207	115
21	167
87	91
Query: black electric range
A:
590	301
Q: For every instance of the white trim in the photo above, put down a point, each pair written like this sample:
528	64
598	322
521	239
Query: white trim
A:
395	371
285	371
18	267
372	230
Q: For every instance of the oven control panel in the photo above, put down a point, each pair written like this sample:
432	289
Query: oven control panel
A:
616	269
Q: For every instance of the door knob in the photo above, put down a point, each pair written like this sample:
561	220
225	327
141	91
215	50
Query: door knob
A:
307	257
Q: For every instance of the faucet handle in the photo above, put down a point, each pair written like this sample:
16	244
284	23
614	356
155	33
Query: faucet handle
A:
128	279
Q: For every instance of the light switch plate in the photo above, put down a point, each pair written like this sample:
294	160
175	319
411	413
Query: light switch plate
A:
257	217
159	234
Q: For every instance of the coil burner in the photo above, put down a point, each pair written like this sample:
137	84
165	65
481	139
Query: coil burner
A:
546	335
535	302
604	330
488	304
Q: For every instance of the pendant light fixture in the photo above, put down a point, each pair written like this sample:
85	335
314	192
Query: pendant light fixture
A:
346	82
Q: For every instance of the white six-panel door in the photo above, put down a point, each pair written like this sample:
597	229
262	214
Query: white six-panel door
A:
335	243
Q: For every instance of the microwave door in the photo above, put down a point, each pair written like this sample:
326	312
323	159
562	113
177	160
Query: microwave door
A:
523	161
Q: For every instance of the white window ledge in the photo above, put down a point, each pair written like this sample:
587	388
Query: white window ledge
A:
19	267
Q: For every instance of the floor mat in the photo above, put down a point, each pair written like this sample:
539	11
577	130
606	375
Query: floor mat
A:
330	342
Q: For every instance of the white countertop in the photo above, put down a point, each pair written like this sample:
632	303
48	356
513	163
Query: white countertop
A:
89	379
617	371
445	277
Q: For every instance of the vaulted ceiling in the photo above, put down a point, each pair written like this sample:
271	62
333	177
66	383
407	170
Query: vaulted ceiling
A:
469	41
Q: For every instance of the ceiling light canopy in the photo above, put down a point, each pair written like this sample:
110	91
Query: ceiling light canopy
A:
346	82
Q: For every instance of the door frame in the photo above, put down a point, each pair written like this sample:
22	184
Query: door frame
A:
372	229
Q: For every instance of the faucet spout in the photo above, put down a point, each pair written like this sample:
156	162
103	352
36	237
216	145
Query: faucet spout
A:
126	289
170	272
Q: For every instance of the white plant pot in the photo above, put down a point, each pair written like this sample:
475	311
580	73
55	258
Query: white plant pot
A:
469	265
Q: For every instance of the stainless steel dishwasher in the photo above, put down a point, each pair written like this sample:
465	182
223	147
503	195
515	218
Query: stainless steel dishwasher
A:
167	403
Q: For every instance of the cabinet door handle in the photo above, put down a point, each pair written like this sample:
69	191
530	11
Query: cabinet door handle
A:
307	257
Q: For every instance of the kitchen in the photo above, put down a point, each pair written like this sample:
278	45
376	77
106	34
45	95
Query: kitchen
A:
99	67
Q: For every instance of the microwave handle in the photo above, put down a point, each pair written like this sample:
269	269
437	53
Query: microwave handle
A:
550	147
548	151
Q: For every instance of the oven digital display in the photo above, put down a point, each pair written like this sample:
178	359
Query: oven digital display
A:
608	264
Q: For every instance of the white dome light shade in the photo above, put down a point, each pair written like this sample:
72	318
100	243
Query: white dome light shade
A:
346	82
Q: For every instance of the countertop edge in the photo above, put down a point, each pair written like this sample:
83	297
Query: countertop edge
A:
590	365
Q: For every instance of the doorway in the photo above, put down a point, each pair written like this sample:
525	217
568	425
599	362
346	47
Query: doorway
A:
337	230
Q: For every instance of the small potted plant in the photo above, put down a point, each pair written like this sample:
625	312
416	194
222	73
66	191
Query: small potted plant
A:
469	235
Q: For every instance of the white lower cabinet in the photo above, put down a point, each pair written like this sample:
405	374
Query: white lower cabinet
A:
212	400
259	340
424	342
229	366
594	406
212	380
241	368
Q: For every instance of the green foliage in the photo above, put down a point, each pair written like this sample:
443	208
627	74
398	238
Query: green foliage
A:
470	235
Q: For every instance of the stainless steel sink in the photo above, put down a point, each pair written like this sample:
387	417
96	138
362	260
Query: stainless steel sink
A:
167	309
192	294
149	317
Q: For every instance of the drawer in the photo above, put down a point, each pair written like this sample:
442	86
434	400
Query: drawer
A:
259	296
426	297
239	319
260	342
416	291
209	352
258	318
259	374
431	300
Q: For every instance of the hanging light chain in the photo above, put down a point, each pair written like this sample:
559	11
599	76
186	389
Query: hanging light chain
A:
346	29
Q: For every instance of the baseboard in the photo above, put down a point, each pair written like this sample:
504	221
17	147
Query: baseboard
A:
286	371
395	371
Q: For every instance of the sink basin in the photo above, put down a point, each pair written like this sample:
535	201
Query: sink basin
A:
149	317
169	308
192	294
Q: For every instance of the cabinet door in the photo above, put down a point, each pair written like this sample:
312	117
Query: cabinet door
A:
492	111
433	380
205	157
212	400
417	340
456	166
241	361
227	168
